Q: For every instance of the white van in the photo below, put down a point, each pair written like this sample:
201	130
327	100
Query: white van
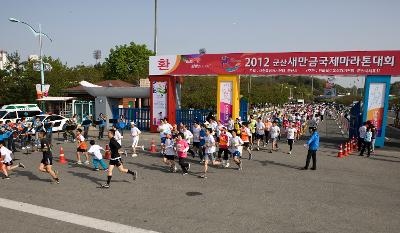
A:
14	112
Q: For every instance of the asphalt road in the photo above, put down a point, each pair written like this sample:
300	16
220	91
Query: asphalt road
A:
271	194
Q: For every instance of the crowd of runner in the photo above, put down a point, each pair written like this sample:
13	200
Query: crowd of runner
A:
213	143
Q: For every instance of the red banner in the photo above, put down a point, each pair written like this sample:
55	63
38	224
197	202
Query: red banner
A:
296	63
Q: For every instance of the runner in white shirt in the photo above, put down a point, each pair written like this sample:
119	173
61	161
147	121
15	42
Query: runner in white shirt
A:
291	132
209	152
235	147
118	137
260	132
135	132
275	131
196	138
95	150
6	161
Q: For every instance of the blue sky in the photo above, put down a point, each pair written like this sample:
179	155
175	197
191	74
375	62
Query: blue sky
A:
80	27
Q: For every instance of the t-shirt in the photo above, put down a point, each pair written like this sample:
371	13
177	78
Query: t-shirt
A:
210	144
188	135
118	136
6	153
275	131
182	147
245	134
252	126
114	147
46	149
169	147
260	128
135	132
223	141
196	134
291	132
82	143
96	151
235	143
368	136
362	131
231	124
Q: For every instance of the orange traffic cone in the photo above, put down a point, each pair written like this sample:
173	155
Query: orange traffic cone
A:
153	148
340	153
62	157
107	155
346	152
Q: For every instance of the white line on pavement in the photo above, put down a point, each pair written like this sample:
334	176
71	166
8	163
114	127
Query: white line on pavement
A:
71	218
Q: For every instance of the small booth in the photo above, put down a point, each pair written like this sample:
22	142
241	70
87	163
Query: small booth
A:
58	105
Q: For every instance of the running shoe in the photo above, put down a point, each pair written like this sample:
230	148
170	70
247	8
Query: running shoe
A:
289	152
96	169
184	174
57	181
142	148
226	165
21	165
204	176
6	177
87	162
79	162
188	167
134	155
105	186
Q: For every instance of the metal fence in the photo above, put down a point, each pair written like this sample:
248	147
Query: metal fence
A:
189	116
141	116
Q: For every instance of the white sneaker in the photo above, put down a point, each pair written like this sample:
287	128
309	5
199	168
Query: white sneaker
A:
87	162
23	148
227	165
290	152
142	148
134	155
79	162
188	167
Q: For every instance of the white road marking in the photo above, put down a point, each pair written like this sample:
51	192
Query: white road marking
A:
71	217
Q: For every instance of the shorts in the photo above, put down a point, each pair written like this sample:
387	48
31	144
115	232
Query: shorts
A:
8	164
163	140
47	161
259	136
236	154
274	140
116	162
81	150
209	156
196	144
135	141
169	157
246	144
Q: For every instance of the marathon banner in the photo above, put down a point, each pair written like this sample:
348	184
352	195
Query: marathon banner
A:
293	63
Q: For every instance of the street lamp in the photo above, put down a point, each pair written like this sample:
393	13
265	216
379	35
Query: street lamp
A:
40	34
155	27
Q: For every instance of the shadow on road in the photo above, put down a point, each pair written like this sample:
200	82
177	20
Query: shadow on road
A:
266	162
95	180
31	176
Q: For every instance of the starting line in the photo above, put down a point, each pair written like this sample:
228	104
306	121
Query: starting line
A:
76	219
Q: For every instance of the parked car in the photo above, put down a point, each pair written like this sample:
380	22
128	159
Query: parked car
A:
57	121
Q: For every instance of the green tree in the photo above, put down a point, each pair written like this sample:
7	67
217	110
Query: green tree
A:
128	62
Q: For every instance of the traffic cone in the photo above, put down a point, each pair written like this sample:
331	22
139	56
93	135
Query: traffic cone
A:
153	148
62	157
346	153
340	153
107	155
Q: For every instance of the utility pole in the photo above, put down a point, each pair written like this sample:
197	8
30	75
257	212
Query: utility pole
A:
155	27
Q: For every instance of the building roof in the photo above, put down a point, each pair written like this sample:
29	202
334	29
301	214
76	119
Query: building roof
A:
56	98
105	83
